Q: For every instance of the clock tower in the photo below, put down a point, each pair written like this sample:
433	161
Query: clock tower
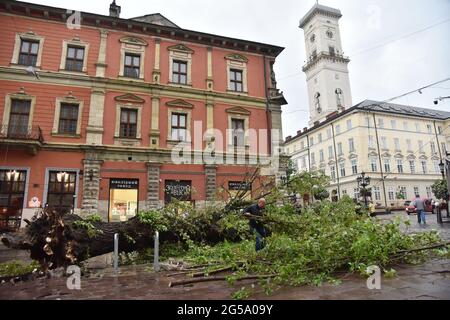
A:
326	66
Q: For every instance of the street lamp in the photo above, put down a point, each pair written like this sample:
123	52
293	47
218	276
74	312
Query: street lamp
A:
442	168
363	183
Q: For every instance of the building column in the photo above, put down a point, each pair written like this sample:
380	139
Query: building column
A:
210	182
155	133
94	131
156	67
153	184
209	79
91	186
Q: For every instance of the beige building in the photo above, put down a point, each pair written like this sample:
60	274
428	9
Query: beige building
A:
399	147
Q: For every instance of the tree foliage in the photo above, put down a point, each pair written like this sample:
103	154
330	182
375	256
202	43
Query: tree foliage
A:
440	189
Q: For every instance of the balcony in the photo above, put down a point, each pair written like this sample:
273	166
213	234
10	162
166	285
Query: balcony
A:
16	137
325	55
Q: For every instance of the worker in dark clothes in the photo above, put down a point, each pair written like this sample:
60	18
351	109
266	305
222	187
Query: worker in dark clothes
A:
256	226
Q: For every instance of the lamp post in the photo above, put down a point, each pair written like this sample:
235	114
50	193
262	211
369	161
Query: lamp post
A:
363	183
442	168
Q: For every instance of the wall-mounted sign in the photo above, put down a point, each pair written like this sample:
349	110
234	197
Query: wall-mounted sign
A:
180	190
34	203
124	184
239	185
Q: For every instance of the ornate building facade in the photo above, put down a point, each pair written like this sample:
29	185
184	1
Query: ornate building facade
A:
108	115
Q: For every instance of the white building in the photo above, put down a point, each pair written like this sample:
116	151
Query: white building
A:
399	147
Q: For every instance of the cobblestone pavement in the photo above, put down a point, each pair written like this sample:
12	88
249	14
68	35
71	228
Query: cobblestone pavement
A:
428	281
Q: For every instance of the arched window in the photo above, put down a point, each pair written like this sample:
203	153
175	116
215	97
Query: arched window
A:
317	102
339	98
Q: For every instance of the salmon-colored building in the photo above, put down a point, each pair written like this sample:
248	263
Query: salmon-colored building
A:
106	115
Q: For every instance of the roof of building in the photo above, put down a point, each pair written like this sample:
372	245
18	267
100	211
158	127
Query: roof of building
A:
379	107
156	18
319	8
163	29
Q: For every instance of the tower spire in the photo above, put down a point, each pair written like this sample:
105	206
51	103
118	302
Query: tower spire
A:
114	10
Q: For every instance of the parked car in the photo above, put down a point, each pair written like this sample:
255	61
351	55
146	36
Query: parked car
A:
409	208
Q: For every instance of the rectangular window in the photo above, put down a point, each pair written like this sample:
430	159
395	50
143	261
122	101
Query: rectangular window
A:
349	124
400	165
75	58
412	166
61	191
236	80
405	126
330	152
179	128
304	163
342	169
444	147
368	122
437	170
123	199
440	130
397	143
128	123
68	118
387	165
416	191
302	145
371	142
338	129
403	192
409	145
384	144
429	128
351	145
421	146
132	65
179	72
238	128
433	147
329	133
417	127
339	148
354	166
356	193
319	138
429	193
311	142
381	123
391	194
333	172
394	124
373	165
12	193
377	193
424	167
19	118
178	190
332	51
28	53
321	156
313	158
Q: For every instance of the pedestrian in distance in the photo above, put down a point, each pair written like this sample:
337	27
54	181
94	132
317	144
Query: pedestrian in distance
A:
419	204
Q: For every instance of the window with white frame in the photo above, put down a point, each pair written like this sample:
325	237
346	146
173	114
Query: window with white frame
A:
371	142
180	65
329	133
417	127
387	165
333	172
409	145
403	192
351	145
342	168
397	144
437	169
380	123
304	163
354	166
355	193
128	121
132	57
424	166
421	150
416	191
28	49
319	138
179	129
321	156
412	166
394	124
340	149
377	193
384	143
18	115
330	152
313	158
368	122
349	124
338	129
399	165
405	126
237	73
429	128
302	145
433	147
311	142
373	164
429	192
391	193
74	55
444	147
440	130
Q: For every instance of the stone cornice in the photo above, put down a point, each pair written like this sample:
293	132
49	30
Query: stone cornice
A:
137	27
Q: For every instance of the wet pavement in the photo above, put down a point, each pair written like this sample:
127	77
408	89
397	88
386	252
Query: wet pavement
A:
427	281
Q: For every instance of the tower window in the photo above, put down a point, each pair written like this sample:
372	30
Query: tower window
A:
317	102
339	97
330	34
332	51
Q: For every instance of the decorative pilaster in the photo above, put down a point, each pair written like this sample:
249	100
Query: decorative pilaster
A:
153	176
91	186
156	66
94	130
209	79
101	63
210	182
155	133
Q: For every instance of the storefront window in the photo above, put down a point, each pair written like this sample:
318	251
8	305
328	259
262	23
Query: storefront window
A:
178	190
123	199
241	189
61	191
12	190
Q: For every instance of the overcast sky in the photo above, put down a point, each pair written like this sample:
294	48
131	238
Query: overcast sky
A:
395	46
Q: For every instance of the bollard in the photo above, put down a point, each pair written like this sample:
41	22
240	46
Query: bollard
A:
116	252
156	253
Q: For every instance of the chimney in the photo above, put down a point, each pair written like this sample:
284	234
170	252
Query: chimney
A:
305	129
316	123
299	132
289	138
114	10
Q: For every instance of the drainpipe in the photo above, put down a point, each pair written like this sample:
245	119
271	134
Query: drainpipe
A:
437	140
336	167
381	164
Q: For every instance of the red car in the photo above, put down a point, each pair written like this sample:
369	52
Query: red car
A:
409	208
